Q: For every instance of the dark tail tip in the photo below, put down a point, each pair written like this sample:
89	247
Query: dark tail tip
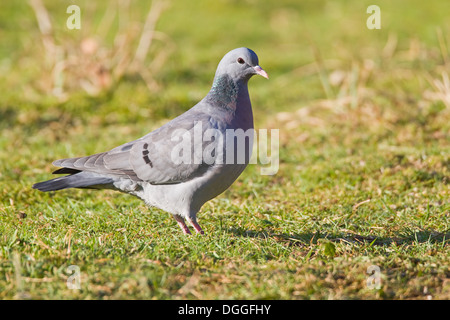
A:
77	180
50	185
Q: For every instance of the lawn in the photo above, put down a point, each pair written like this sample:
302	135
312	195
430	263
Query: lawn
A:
364	143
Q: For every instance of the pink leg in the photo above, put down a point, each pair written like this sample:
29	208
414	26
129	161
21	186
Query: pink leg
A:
195	225
182	224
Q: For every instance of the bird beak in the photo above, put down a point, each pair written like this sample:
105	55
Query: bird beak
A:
261	72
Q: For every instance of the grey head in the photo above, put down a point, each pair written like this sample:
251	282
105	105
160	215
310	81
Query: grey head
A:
232	75
240	64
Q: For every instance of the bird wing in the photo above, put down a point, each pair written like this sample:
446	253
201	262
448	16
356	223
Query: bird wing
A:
154	158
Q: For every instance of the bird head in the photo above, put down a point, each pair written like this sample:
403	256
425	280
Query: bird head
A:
241	64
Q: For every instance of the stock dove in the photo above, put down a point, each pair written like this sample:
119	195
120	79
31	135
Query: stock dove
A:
186	162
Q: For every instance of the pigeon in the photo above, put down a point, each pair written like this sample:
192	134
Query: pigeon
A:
187	161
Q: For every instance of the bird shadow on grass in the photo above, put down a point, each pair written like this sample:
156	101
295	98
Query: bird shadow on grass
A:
306	239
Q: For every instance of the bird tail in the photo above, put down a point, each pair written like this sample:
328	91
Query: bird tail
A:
75	180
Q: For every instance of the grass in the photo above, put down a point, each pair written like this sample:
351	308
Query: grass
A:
364	154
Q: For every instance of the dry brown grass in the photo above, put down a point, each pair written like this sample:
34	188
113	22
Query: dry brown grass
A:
89	64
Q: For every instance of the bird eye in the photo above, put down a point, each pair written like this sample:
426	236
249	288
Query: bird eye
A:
240	60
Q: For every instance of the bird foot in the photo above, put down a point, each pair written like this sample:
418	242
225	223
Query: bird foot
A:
182	224
196	226
185	228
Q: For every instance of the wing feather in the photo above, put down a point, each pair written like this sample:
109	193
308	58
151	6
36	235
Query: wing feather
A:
149	158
